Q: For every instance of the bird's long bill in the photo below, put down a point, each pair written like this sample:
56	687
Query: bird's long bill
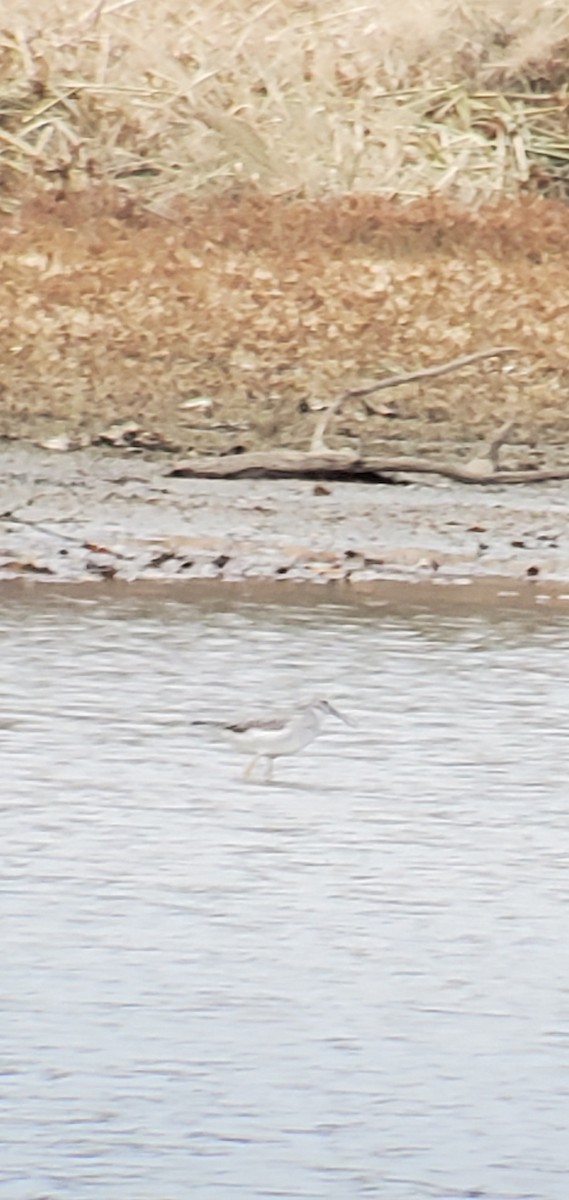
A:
339	715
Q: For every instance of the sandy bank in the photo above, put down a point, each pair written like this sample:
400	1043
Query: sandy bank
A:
88	516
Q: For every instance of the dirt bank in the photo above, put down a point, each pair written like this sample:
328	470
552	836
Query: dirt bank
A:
224	326
225	330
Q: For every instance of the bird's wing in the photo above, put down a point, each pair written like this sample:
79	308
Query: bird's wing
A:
246	726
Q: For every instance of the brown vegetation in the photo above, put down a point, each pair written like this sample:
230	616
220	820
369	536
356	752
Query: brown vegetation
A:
265	204
268	308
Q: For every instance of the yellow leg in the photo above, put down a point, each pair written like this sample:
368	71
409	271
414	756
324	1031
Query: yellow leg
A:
249	770
269	770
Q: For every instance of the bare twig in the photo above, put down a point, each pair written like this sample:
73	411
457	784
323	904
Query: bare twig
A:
500	438
13	519
318	437
487	462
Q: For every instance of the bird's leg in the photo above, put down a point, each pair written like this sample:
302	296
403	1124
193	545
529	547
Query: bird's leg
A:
249	770
269	769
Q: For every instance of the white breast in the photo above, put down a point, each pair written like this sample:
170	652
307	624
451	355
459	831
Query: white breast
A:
301	729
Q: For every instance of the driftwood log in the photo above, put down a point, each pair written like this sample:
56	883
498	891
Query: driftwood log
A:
322	462
348	466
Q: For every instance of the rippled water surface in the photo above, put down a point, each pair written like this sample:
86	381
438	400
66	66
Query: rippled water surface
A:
350	983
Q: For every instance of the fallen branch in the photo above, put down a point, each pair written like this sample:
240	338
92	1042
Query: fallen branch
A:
318	443
465	474
348	465
270	463
321	462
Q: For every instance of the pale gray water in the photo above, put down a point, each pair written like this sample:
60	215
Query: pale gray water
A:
353	983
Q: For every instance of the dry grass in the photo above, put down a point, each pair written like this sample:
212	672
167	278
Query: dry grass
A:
298	97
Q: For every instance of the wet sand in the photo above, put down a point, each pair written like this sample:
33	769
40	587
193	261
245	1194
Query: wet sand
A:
88	516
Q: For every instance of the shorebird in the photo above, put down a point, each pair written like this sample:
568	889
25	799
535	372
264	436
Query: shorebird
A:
269	738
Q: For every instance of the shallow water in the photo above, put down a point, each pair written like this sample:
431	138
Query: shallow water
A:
350	983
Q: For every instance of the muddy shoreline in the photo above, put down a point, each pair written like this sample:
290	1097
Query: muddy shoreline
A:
89	517
131	345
